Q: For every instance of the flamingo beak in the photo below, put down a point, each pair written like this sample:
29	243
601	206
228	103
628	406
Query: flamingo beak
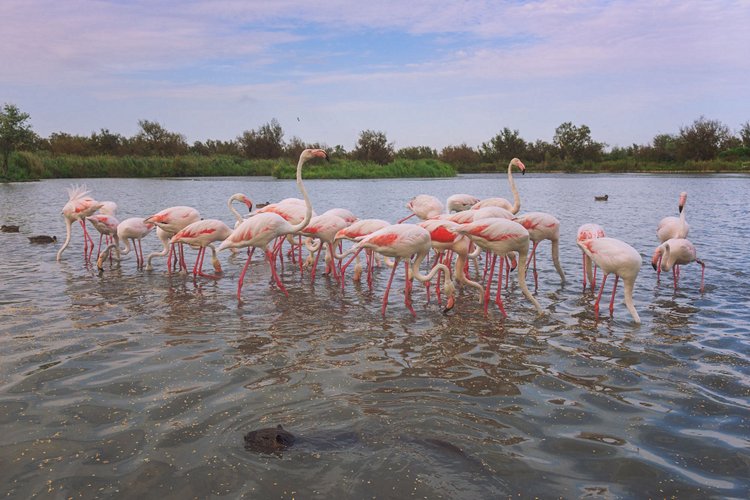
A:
449	304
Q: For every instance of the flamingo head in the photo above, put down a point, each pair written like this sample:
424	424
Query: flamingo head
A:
248	203
683	199
513	256
314	153
449	289
518	163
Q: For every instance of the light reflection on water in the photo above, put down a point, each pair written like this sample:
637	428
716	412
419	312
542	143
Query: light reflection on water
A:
143	383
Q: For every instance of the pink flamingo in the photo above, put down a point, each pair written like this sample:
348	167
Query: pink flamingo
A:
676	252
673	227
107	226
502	202
262	228
78	207
614	256
543	226
501	237
107	208
201	234
409	242
243	199
130	230
324	229
164	237
444	240
293	210
587	232
424	206
460	202
354	232
172	220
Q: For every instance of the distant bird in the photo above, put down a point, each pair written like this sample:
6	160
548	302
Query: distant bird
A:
42	239
614	256
674	253
78	207
502	202
587	232
8	229
601	198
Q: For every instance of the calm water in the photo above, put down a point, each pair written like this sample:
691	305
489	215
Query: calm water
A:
143	383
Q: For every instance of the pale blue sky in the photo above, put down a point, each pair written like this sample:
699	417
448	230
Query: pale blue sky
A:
424	72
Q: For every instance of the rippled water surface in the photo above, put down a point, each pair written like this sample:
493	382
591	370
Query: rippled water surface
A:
143	383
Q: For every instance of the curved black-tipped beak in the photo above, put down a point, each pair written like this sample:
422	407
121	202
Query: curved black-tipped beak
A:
680	208
653	264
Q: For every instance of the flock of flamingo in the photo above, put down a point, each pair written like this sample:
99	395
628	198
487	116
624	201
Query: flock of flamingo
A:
457	233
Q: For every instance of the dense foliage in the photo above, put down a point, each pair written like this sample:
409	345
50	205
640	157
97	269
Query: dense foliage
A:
705	145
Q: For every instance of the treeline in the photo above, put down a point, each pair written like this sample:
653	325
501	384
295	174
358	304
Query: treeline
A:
157	152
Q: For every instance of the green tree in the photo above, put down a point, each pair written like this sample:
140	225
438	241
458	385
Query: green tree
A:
745	134
61	143
462	157
264	143
416	153
575	143
505	145
15	133
373	146
106	143
154	139
702	140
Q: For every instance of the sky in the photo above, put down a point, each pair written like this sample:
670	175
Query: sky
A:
424	72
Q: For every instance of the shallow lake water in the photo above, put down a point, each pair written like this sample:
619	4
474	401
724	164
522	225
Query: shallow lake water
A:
140	383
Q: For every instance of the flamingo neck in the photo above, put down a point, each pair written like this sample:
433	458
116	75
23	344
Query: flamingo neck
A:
665	264
629	299
230	204
516	198
308	204
68	224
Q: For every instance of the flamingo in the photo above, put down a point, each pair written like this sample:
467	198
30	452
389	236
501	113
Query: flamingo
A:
258	231
107	226
410	242
501	237
132	229
293	210
323	228
107	208
201	234
424	206
172	220
78	207
164	237
460	202
444	240
587	232
614	256
543	226
676	252
241	198
502	202
673	227
355	232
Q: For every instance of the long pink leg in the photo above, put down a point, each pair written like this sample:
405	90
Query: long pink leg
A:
498	294
334	264
599	297
703	271
315	264
593	282
533	256
612	300
488	286
388	288
343	268
507	271
676	275
407	289
197	261
658	268
584	272
139	258
272	263
242	274
370	264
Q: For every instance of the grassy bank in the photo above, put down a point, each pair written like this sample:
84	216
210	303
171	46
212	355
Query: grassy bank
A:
31	166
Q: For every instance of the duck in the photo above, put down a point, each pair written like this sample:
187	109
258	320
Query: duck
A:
8	229
41	239
601	198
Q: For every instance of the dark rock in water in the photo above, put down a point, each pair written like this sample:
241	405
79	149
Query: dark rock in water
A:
269	440
42	239
8	229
